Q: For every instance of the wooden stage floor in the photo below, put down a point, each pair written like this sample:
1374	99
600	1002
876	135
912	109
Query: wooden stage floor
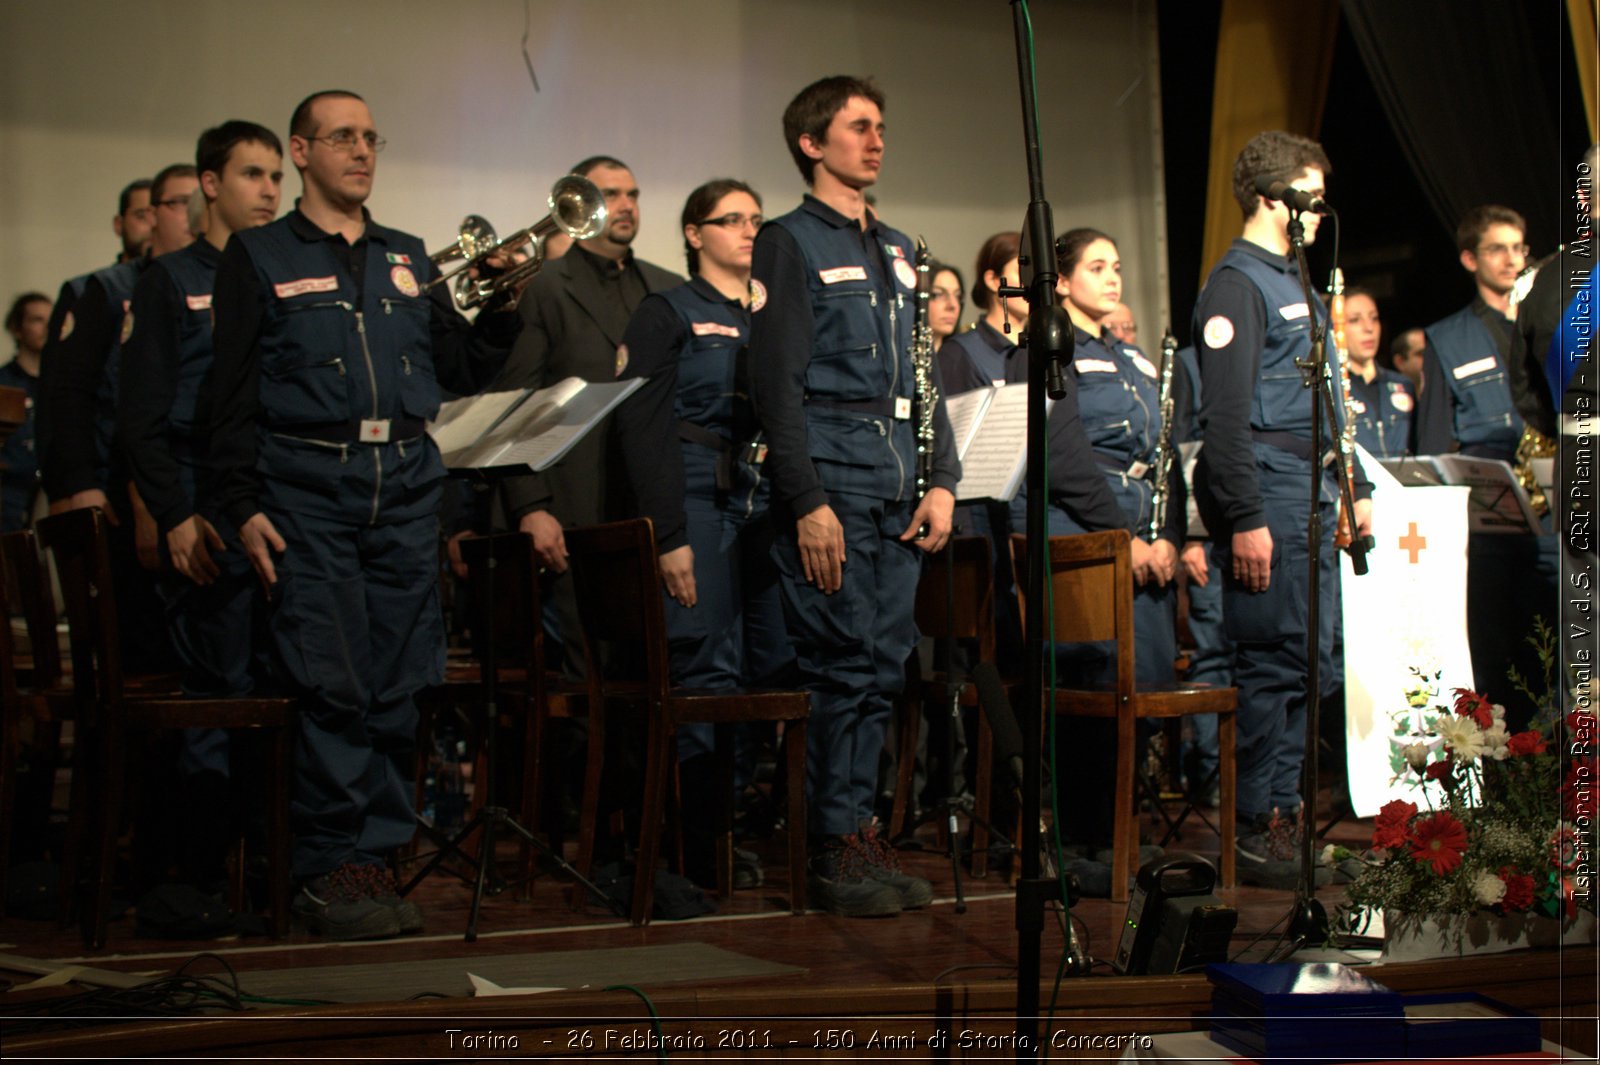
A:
898	975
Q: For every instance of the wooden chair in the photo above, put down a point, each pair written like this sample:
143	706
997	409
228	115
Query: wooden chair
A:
106	714
1091	581
618	585
962	612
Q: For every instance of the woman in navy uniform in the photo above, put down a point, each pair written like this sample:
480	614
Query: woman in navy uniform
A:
978	357
691	444
946	294
1382	400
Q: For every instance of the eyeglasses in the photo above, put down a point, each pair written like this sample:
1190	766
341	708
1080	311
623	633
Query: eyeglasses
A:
735	221
1496	251
344	140
176	201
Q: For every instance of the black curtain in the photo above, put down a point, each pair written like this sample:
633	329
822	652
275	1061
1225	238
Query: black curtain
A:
1466	87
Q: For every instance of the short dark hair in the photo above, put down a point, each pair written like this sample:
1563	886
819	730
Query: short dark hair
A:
216	144
995	253
158	184
1071	244
128	190
1282	156
301	123
700	202
584	168
19	307
811	113
1475	221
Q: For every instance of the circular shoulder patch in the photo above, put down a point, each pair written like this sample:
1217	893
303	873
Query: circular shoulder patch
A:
66	326
622	358
404	281
1402	400
758	295
127	326
1218	331
906	273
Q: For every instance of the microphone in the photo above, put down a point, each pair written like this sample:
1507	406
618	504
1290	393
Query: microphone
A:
1285	193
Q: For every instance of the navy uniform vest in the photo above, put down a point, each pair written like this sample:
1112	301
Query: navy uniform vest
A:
330	354
1119	398
1281	403
862	314
1482	411
193	272
711	390
118	283
1383	413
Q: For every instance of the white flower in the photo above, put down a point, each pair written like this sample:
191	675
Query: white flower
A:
1496	740
1498	711
1416	755
1488	888
1327	857
1463	736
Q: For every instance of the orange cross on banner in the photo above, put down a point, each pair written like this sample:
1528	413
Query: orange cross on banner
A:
1413	543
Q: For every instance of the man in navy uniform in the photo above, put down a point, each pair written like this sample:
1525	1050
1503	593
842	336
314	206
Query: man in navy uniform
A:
1253	324
208	592
833	300
329	356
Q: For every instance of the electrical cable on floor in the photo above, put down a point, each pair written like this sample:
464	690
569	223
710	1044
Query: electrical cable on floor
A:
975	965
655	1018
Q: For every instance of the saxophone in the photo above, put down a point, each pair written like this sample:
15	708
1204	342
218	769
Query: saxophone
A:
926	398
1161	461
1533	444
1347	436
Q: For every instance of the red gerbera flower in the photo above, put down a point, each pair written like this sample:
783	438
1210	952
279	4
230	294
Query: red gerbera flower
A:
1437	841
1390	830
1519	890
1530	742
1439	770
1470	704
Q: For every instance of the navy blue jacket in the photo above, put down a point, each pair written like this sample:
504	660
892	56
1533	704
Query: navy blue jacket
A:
690	342
313	339
974	359
1383	407
830	361
1466	397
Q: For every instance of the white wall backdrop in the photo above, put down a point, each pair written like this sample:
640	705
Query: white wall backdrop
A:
94	93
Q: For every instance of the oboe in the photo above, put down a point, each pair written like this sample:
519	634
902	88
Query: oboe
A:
1161	462
1347	437
927	389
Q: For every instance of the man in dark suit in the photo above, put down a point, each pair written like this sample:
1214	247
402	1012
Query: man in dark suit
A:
575	312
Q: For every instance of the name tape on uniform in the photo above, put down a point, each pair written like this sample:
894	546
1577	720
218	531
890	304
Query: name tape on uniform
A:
1291	311
290	289
1094	365
198	303
713	329
842	273
1476	366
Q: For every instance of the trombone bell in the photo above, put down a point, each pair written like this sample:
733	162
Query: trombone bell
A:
476	237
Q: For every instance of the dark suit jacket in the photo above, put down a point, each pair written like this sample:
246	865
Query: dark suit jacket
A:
562	337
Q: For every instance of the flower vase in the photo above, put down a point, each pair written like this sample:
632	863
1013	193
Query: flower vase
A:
1413	938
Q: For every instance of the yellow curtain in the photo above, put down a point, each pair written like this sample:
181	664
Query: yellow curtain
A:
1273	61
1581	16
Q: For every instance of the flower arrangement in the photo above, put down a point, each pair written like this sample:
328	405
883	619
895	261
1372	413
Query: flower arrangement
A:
1503	823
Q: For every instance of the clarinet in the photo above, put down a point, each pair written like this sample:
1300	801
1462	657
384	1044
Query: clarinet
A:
1345	534
1161	462
926	398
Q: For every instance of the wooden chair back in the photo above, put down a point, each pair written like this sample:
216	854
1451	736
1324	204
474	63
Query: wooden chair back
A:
964	609
1091	591
614	575
27	586
78	540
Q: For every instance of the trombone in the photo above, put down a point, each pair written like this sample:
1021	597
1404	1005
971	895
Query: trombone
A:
577	208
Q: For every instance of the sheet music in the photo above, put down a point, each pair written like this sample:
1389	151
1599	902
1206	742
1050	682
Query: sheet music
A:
463	422
965	412
544	428
1497	504
996	454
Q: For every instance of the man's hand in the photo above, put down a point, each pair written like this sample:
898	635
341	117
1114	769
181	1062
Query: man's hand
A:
821	540
260	540
677	573
1252	559
1141	556
549	543
1363	518
935	512
146	534
452	551
1194	563
89	497
1163	562
188	542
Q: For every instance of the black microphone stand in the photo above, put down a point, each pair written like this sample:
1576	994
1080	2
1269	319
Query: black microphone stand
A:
1049	342
1309	922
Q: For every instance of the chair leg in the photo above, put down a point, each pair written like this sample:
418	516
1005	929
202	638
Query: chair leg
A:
659	747
10	755
794	739
908	721
1124	825
1226	789
983	803
532	735
81	817
589	812
98	913
724	810
278	828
